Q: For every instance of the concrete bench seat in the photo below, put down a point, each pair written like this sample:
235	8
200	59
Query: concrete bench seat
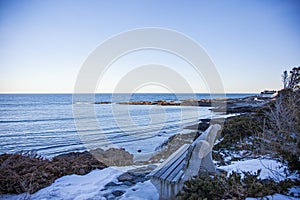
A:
185	163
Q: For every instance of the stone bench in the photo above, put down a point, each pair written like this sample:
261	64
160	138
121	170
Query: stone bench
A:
185	163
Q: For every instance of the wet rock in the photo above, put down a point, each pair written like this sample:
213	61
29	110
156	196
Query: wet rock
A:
141	179
111	184
128	183
125	177
139	176
142	170
118	193
103	102
109	196
202	126
113	156
205	120
160	102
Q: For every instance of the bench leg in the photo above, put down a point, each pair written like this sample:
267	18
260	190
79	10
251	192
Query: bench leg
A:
207	163
167	191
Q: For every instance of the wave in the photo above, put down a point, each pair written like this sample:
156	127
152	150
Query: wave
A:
35	120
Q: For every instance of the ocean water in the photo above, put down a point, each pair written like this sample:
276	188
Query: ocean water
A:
45	124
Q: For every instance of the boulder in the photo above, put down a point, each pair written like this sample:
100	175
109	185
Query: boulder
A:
113	157
125	177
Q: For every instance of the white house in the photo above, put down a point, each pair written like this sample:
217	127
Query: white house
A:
268	93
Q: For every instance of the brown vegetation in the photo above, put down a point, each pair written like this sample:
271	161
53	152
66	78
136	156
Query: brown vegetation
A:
233	186
25	173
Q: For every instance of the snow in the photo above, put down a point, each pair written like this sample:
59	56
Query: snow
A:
76	187
141	191
269	168
295	190
91	186
275	197
79	187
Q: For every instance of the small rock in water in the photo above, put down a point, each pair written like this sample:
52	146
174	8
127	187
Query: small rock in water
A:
139	151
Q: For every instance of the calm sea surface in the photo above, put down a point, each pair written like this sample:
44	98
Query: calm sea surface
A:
44	123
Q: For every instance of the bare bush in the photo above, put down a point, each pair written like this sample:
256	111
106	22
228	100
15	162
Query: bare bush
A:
282	122
292	80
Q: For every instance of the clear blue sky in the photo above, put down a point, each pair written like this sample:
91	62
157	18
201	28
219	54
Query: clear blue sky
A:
43	43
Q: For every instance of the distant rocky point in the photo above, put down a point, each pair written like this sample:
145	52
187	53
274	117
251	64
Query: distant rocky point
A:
228	105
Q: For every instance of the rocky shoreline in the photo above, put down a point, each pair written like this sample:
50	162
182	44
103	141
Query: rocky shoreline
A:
19	169
228	105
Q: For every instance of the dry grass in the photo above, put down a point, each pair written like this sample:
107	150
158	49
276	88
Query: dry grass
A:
24	173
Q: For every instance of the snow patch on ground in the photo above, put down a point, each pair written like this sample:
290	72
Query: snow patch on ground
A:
269	168
275	197
91	186
75	187
141	191
79	187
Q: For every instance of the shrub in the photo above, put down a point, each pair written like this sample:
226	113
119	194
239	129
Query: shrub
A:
237	129
203	187
28	173
282	129
234	186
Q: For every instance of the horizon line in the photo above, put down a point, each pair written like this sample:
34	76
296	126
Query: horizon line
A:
128	93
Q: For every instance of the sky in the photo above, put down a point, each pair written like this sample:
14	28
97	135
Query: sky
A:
43	44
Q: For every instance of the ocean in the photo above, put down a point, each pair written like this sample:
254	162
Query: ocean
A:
44	123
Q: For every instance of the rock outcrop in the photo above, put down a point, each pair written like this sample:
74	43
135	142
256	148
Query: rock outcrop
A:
113	157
